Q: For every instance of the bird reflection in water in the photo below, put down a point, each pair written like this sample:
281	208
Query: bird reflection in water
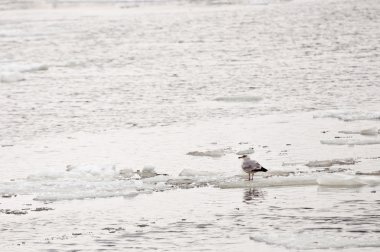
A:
251	194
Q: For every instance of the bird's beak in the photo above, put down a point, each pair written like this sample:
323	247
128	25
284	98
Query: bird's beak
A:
240	157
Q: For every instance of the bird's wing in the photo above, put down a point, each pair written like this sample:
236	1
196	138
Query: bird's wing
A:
251	165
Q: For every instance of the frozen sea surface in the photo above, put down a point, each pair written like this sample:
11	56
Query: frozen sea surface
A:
79	191
91	93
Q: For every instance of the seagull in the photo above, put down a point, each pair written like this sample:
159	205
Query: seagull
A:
251	166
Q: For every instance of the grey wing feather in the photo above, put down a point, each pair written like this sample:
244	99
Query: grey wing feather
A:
251	165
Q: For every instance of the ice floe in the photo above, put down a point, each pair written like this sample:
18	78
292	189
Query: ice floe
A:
370	132
15	72
91	181
148	172
292	163
128	173
350	115
209	153
11	77
239	99
315	241
23	68
374	173
350	142
329	163
268	182
246	152
335	180
367	132
347	180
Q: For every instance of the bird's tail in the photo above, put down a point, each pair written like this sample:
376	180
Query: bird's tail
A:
263	169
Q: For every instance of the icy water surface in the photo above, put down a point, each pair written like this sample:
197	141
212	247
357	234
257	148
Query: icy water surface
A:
315	196
90	94
95	69
204	220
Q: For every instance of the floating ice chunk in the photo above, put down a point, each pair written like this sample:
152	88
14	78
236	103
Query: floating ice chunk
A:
347	180
211	153
59	186
350	142
13	72
180	182
374	173
246	152
147	172
370	180
349	115
157	179
95	170
325	180
90	172
161	186
23	68
194	173
80	187
269	182
11	77
34	68
276	173
83	195
136	176
47	175
239	99
349	131
329	163
15	212
368	132
127	173
291	163
338	180
73	64
311	241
